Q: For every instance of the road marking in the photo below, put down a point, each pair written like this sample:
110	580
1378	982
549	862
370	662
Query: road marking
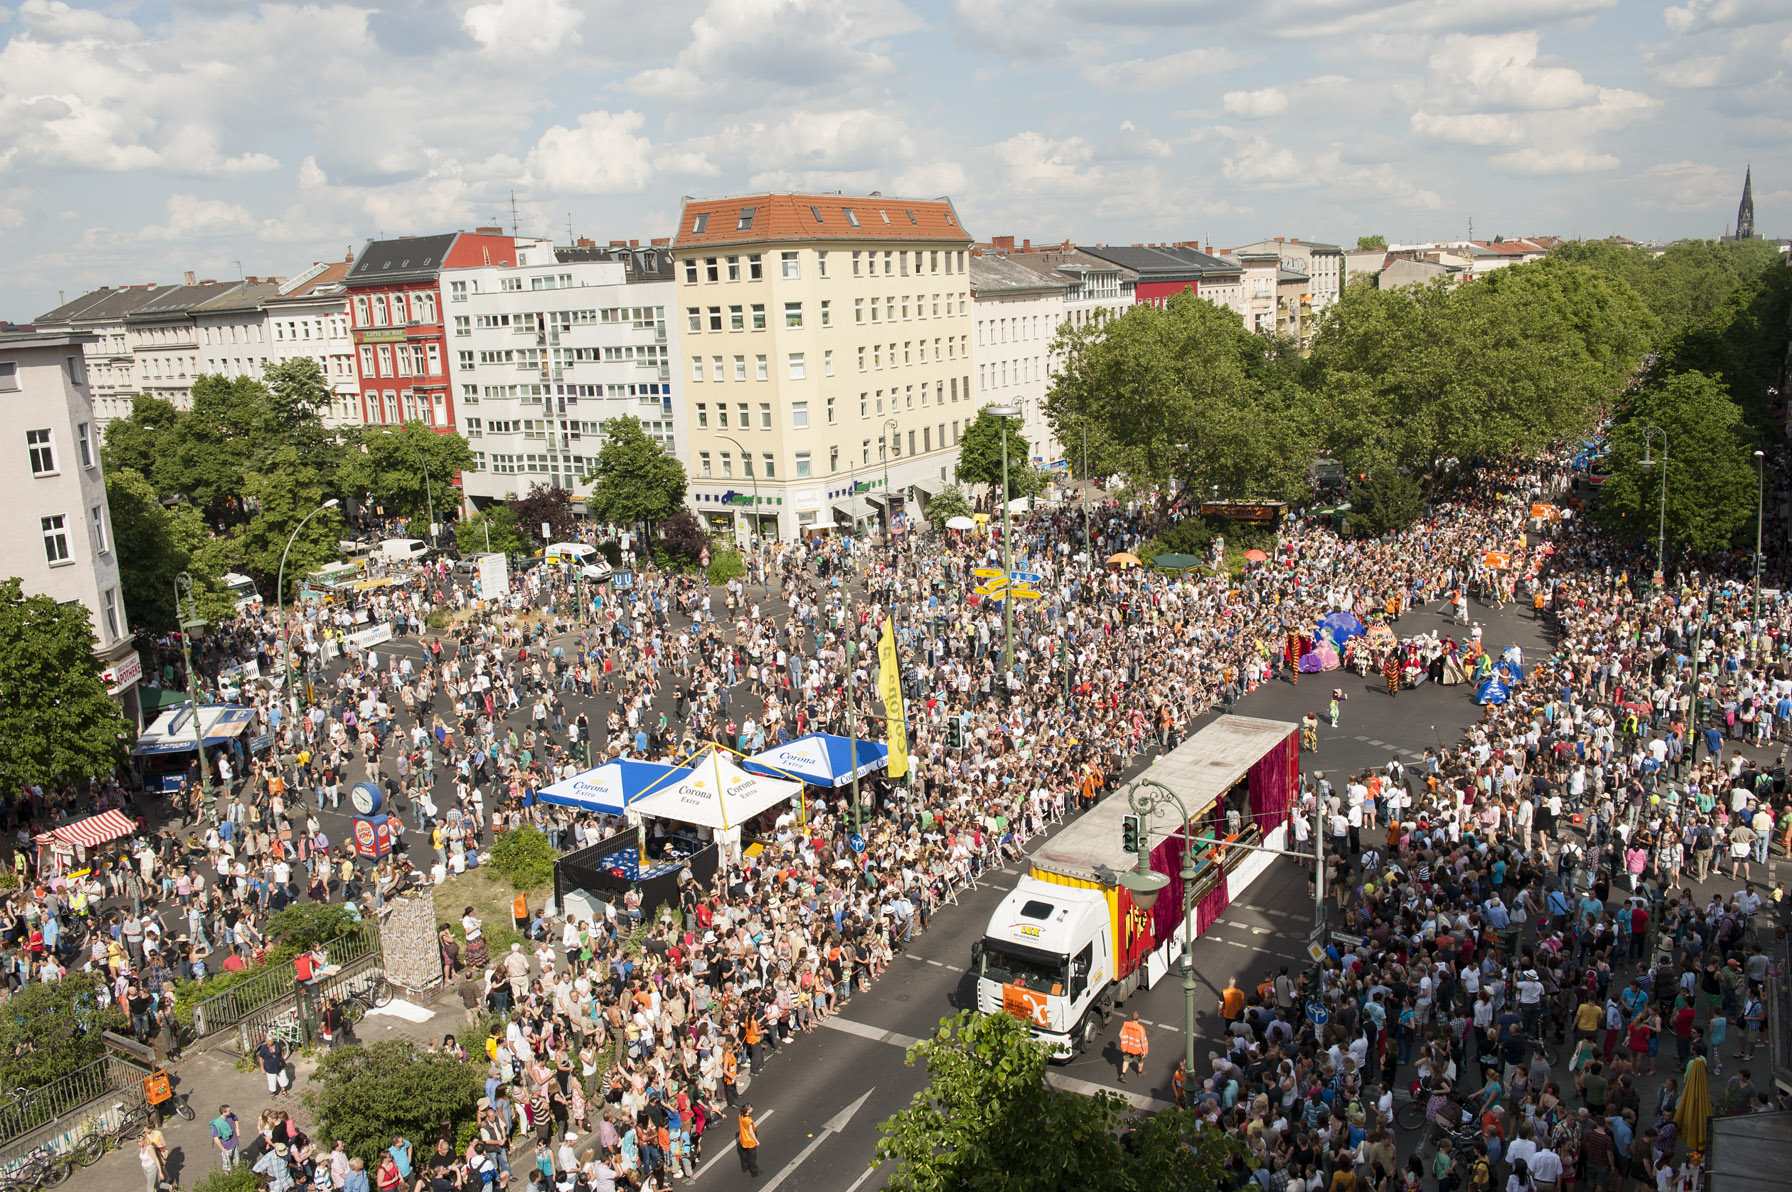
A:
1089	1088
717	1157
847	1026
832	1126
863	1176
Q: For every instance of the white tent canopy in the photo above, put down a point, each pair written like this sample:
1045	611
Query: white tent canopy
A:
716	794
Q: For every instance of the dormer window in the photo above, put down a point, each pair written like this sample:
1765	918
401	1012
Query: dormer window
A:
700	223
852	217
745	223
911	216
885	214
816	212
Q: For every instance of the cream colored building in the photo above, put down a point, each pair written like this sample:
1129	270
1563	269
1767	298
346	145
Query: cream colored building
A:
825	356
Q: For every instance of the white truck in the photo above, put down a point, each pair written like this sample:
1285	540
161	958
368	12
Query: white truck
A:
1068	944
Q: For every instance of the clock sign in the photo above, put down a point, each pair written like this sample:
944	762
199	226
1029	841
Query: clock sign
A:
367	798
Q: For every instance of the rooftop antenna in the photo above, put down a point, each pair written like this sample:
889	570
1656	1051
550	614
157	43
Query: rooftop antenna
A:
1471	229
513	221
239	269
569	236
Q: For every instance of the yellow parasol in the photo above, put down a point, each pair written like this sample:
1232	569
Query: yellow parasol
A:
1692	1114
1496	560
1123	559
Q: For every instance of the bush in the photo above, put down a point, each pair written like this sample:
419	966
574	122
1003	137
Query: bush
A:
304	925
366	1095
681	538
49	1029
725	564
1385	501
948	503
524	858
237	1179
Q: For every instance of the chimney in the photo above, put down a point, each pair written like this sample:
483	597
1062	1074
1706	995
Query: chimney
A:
618	244
488	231
1026	246
190	278
661	242
634	244
1004	243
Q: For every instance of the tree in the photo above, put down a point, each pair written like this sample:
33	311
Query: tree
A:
367	1095
980	455
1383	501
51	1028
635	481
1371	242
988	1120
1710	468
408	471
545	504
150	553
948	503
493	529
282	496
682	538
134	442
57	724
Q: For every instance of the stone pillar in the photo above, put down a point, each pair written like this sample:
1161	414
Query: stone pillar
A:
408	939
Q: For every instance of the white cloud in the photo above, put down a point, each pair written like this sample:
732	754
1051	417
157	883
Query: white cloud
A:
523	29
1171	72
1534	160
1472	128
59	21
780	43
1336	18
1039	164
603	155
1502	72
1695	16
1255	161
191	217
1691	186
1268	101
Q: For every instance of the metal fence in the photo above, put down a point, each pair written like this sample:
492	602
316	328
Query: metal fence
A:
298	1022
240	1001
60	1114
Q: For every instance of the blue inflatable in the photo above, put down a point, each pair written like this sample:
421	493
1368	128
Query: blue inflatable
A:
1491	691
1340	627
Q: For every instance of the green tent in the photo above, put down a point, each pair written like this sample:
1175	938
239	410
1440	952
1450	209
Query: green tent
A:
1175	562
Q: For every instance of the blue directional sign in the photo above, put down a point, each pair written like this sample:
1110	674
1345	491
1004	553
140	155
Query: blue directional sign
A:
1024	577
1318	1014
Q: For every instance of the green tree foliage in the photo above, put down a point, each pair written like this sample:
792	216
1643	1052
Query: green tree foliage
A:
493	529
1369	242
1710	467
524	858
57	724
49	1029
302	926
1382	501
635	481
281	495
682	540
133	442
150	553
980	455
367	1095
545	503
400	469
948	503
1183	393
988	1120
1684	284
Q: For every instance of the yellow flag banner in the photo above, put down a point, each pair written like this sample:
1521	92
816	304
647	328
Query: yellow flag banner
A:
889	687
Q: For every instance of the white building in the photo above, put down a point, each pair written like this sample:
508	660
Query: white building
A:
98	317
1323	265
826	339
1017	312
308	319
58	539
232	330
163	337
544	352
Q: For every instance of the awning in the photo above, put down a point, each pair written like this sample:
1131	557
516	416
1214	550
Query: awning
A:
821	759
172	731
716	793
610	787
91	832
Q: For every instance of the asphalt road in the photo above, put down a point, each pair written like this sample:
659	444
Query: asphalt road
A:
802	1095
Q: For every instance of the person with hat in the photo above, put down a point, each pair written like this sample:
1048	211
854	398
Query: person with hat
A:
748	1140
274	1166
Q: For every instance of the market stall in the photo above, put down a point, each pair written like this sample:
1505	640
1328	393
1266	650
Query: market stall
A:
716	796
821	759
611	787
64	849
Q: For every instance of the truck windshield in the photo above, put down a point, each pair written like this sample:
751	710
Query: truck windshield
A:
1030	969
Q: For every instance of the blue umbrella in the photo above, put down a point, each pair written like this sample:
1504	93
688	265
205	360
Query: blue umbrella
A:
820	759
612	786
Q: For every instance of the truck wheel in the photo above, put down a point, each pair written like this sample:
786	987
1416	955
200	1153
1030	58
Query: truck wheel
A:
1085	1035
1105	1008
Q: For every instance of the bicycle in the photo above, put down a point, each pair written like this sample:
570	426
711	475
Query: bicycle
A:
287	1031
132	1121
373	995
40	1169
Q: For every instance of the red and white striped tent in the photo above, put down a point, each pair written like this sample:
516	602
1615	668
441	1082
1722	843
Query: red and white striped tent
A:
70	842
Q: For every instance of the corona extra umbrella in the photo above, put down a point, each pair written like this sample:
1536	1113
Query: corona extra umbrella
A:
1123	559
961	522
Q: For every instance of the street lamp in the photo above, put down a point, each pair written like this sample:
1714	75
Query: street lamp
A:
1145	884
280	604
1661	533
852	725
746	460
1004	413
186	611
1754	629
889	501
429	493
1085	486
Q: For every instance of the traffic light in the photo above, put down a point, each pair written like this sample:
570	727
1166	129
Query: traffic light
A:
1129	833
954	732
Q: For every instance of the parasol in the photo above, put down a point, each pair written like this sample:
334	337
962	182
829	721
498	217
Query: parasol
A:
1174	562
1255	556
1693	1111
961	522
1497	560
1123	559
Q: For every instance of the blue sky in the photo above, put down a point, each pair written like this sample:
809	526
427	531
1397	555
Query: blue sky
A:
138	140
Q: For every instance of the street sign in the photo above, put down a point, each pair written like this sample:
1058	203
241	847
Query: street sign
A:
991	585
1316	953
1348	940
1317	1014
855	842
1024	594
987	572
1024	577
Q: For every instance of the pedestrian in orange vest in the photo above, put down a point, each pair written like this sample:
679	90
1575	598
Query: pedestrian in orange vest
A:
1134	1047
749	1141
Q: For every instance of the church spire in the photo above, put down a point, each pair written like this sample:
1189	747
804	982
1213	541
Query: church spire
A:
1745	211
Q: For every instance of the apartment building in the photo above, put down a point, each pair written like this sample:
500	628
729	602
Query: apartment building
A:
97	317
546	350
1322	264
58	540
163	337
1016	312
232	331
826	355
307	318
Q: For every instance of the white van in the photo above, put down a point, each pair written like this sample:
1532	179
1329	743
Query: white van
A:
590	564
241	589
404	550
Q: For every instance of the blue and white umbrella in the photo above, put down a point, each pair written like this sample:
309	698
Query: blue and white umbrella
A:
612	786
821	759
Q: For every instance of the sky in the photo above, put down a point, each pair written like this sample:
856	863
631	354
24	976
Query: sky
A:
142	139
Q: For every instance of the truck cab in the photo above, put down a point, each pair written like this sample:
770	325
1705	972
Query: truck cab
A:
1047	958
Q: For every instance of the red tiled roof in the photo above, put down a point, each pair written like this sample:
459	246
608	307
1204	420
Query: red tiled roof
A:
791	217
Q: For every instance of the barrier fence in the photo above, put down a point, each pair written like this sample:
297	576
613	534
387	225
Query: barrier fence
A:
244	999
59	1115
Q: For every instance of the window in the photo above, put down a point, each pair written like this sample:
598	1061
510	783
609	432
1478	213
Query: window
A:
827	363
84	443
715	369
463	325
803	465
695	316
690	272
77	371
745	222
855	262
41	451
55	530
858	310
755	268
715	318
434	357
771	465
702	414
9	375
703	462
833	414
765	415
722	415
760	372
799	415
712	269
727	462
798	369
700	223
759	316
821	264
740	368
852	217
737	319
788	265
96	516
793	314
696	368
109	603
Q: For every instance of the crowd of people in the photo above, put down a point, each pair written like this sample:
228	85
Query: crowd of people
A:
1464	875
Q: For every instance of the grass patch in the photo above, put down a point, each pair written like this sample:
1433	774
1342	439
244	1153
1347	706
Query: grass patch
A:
489	894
